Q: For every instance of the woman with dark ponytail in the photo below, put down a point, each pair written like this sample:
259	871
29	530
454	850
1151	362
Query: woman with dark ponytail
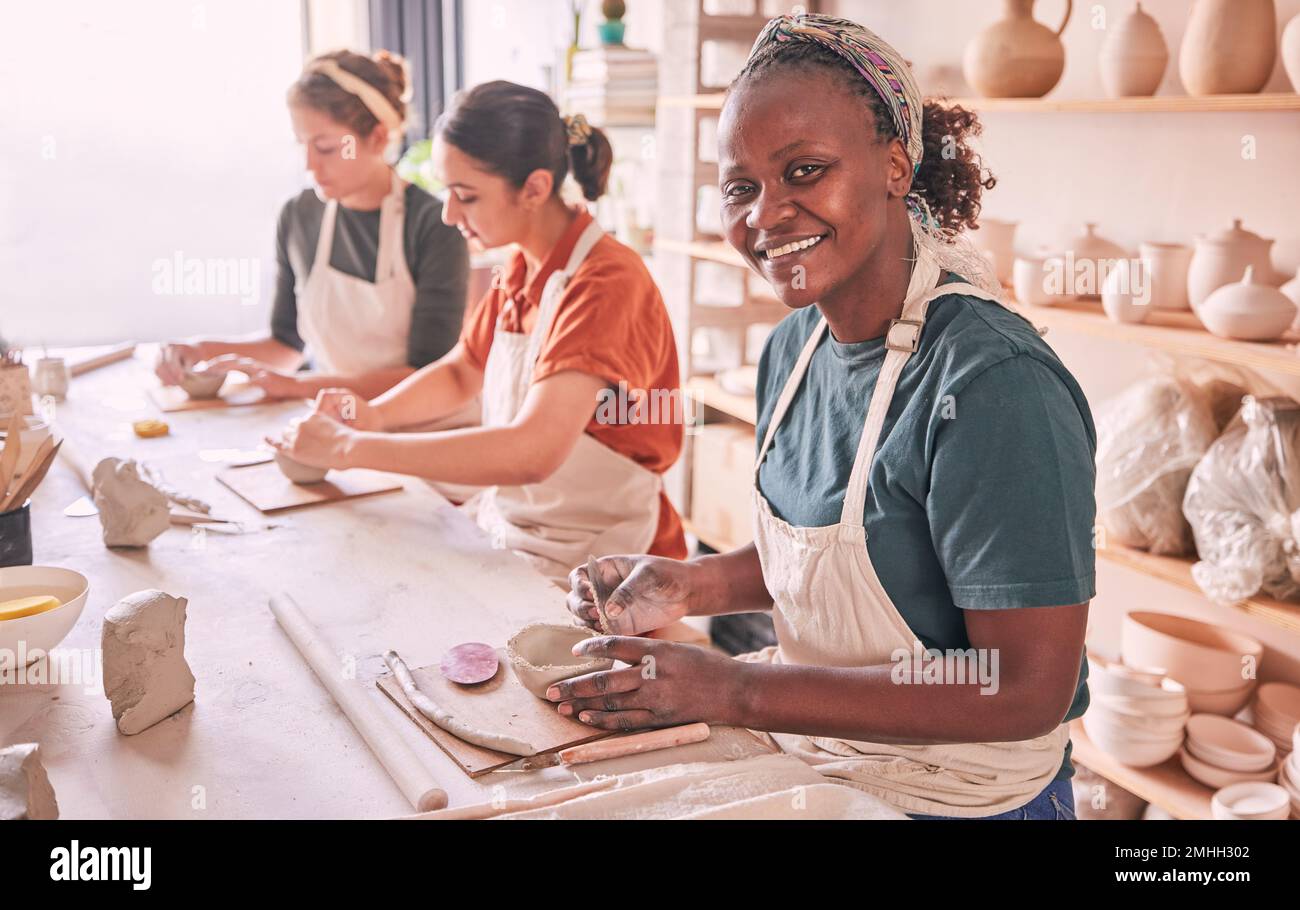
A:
572	323
923	497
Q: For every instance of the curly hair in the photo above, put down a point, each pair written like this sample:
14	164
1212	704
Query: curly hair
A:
952	176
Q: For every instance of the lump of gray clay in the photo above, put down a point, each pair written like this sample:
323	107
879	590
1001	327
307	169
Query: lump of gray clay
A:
145	674
132	511
25	791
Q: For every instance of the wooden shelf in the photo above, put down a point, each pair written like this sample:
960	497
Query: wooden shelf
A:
1178	572
1280	102
709	392
1178	332
1166	785
709	250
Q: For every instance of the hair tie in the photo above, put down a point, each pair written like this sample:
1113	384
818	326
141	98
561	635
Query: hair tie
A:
578	129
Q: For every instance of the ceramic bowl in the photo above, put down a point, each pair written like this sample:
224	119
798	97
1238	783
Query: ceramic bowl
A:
41	631
1216	777
298	472
541	654
1133	750
1201	656
1225	703
1229	744
201	384
1141	724
1278	704
1253	801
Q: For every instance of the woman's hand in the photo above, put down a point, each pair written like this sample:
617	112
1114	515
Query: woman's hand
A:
667	684
275	383
173	360
316	440
346	406
649	592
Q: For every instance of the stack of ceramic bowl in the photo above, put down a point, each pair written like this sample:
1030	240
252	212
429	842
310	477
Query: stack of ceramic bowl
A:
1277	713
1288	776
1251	802
1208	660
1221	752
1135	718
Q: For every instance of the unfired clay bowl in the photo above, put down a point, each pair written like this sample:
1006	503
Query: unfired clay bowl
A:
202	384
541	654
298	472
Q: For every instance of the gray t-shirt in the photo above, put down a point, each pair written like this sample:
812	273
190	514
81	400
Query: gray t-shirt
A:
981	492
435	253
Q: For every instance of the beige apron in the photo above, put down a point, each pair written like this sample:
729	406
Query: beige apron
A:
351	325
832	610
598	502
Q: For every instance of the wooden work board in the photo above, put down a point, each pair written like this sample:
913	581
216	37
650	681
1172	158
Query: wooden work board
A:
172	399
267	489
501	705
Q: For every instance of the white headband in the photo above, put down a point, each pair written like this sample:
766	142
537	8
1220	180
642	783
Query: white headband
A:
370	96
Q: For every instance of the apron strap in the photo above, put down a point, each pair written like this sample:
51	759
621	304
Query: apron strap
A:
390	257
554	291
902	340
325	242
791	387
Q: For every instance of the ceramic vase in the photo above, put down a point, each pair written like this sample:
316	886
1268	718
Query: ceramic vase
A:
1016	57
1134	56
1125	297
1166	265
1248	310
1229	47
1290	51
996	240
1222	257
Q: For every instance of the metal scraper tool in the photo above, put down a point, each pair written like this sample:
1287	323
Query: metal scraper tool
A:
599	592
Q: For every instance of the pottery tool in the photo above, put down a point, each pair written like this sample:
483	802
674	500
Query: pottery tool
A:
9	455
264	487
399	759
44	458
599	592
619	746
121	352
471	663
488	739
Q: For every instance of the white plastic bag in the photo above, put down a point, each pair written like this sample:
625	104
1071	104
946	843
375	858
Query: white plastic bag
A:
1242	503
1148	441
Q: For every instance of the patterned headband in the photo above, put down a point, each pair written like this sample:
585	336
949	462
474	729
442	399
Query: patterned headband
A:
876	61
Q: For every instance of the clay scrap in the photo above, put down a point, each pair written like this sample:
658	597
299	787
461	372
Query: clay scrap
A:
132	511
25	791
146	677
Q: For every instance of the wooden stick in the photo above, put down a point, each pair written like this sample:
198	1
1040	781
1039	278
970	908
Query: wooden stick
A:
40	465
9	456
398	759
635	744
121	352
523	804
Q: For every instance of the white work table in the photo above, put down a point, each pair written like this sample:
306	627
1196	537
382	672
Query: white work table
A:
263	738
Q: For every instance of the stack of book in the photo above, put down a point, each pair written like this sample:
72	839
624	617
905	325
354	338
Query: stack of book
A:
614	86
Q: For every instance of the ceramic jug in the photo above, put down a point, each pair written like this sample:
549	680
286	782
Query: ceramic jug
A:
1229	47
1222	257
1016	57
1167	265
1134	56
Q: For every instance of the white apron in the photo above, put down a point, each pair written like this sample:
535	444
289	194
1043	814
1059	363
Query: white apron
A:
598	502
351	325
830	609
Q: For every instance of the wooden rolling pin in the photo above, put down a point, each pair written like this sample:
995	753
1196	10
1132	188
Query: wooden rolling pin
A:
649	741
121	352
401	762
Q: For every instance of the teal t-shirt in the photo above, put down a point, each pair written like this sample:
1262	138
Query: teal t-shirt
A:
981	492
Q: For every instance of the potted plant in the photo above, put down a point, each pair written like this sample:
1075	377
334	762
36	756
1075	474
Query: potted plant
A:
611	30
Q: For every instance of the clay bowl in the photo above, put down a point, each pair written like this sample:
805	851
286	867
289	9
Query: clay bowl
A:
1229	744
1225	703
1137	750
202	384
541	654
1201	656
41	631
1277	707
298	472
1251	801
1216	777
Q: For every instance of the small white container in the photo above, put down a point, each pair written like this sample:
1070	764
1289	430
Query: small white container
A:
1247	310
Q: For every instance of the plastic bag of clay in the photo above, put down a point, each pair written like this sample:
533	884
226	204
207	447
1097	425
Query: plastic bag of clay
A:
1224	385
1149	438
1242	502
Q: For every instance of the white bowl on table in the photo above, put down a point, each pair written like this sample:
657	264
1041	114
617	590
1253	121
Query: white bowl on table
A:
41	631
1229	744
1251	801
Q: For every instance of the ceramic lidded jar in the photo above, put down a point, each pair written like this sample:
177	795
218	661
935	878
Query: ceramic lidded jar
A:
1016	57
1092	257
1134	56
1166	265
1290	52
1229	47
996	240
1292	291
1126	295
1247	310
1221	258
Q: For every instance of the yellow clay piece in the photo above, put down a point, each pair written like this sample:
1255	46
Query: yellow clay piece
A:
27	606
147	429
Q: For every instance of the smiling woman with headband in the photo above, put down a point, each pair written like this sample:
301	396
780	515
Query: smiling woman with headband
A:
371	283
925	466
573	315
